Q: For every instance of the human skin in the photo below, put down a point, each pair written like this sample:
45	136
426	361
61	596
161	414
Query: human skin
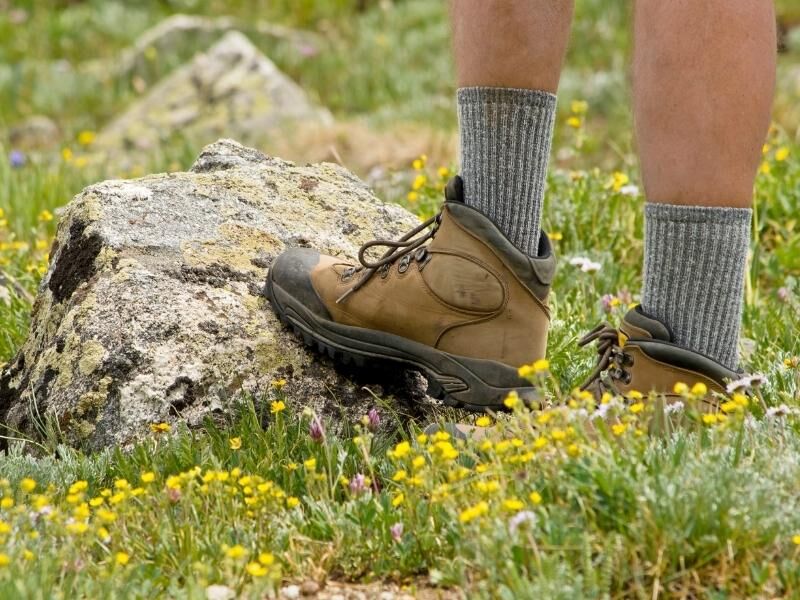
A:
510	43
703	73
703	81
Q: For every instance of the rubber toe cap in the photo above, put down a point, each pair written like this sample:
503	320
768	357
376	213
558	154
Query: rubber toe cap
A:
291	272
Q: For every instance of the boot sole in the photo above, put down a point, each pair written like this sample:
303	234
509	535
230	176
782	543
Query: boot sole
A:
459	381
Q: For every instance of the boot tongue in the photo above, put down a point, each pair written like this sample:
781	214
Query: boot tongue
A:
454	191
637	324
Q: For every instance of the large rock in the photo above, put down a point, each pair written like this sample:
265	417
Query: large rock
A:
232	90
179	37
151	309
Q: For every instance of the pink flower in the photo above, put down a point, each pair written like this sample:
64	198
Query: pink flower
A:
316	430
374	419
397	531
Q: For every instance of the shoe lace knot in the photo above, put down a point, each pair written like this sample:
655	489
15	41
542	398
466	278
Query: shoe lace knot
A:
400	249
612	359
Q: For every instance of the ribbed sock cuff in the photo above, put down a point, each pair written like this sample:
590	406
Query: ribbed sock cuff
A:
506	135
694	267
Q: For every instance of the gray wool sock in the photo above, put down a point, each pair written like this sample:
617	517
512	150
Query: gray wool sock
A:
506	136
694	266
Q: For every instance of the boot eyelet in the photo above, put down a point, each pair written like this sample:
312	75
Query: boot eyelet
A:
404	263
384	271
348	273
421	254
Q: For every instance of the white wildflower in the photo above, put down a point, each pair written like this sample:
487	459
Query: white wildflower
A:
523	516
585	264
674	407
745	383
779	411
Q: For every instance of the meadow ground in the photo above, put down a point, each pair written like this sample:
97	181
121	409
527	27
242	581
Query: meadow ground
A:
545	509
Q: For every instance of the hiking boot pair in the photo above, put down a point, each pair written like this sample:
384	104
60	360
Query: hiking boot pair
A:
457	300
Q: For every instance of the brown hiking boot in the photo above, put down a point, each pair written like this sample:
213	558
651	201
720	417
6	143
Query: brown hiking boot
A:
459	302
641	356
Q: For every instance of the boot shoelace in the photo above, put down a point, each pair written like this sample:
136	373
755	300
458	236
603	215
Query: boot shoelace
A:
611	358
401	248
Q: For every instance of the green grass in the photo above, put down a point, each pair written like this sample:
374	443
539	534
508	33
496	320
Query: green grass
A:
710	511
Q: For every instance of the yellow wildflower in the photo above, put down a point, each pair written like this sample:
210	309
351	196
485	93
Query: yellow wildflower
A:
292	502
618	181
235	552
122	558
511	400
277	406
4	559
77	528
513	505
781	154
278	384
7	503
699	389
235	443
740	400
400	450
573	450
412	196
535	497
474	512
85	138
483	421
266	559
82	511
256	570
574	122
160	427
27	485
637	408
310	463
78	487
579	107
681	388
398	499
148	477
709	419
107	516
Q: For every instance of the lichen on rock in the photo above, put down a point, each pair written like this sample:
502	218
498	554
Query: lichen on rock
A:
151	309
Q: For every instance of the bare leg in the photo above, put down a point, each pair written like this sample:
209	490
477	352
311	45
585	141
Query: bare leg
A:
510	43
704	74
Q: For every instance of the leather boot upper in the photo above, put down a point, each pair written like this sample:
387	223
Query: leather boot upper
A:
640	356
468	292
